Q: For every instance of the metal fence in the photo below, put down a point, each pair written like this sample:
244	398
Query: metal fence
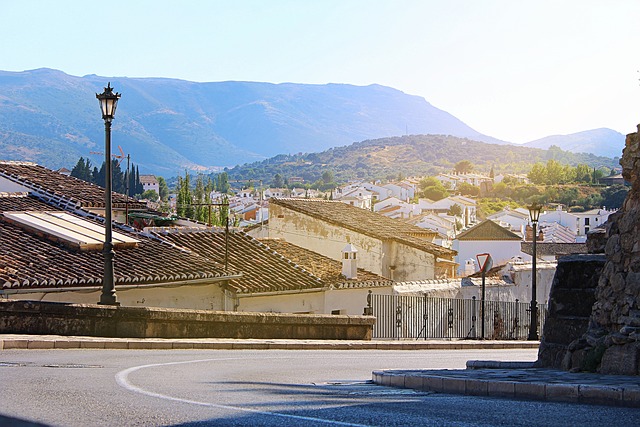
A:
421	317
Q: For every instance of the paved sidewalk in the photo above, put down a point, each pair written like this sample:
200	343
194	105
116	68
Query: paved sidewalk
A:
519	380
41	342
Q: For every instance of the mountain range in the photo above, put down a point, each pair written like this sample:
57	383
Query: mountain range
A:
169	125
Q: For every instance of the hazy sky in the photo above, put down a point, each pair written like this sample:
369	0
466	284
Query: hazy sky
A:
515	70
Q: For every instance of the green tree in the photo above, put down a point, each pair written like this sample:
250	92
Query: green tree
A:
327	177
431	188
455	210
555	172
583	173
467	189
82	170
150	195
184	200
277	182
463	166
538	174
613	196
200	208
163	187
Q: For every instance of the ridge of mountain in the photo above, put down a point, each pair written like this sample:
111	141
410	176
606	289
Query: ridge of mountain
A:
408	155
601	142
169	125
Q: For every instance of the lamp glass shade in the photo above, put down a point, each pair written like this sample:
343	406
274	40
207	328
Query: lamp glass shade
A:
534	212
108	102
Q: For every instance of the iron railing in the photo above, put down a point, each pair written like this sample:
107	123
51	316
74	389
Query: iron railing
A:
422	317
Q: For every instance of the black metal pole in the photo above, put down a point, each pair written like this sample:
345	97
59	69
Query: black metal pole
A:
482	307
126	203
226	244
108	296
533	326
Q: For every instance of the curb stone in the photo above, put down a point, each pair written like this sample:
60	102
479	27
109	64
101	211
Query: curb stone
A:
519	382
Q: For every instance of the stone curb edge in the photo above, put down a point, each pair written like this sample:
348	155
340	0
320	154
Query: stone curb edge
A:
566	393
40	343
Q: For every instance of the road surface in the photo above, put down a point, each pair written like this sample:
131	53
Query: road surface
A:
260	388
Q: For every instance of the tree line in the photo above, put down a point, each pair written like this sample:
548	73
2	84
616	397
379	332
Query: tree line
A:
85	171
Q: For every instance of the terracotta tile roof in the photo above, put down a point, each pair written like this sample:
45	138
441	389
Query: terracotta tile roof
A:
263	270
366	222
488	230
28	261
329	270
62	189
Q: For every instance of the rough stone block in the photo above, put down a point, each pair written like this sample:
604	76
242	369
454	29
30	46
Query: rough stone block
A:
620	359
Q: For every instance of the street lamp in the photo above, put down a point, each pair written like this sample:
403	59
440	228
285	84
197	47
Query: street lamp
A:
534	215
108	103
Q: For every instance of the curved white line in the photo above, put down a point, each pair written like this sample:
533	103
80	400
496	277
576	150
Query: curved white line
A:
123	381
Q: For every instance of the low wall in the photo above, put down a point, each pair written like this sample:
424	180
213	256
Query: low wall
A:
30	317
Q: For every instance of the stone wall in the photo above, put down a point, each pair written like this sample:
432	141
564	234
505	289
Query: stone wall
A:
570	302
47	318
611	343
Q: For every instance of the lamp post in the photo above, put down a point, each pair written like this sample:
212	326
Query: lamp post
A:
108	103
534	214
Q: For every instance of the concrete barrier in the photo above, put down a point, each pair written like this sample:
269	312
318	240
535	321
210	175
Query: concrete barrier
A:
32	317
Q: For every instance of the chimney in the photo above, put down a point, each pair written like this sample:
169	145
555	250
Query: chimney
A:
349	263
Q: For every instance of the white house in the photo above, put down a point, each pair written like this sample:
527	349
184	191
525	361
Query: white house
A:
467	205
387	247
591	219
562	217
149	182
486	237
516	218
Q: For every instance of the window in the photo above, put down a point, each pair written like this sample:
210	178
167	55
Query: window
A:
586	221
336	312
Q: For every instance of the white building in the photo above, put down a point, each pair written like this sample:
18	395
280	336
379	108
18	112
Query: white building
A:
487	237
149	182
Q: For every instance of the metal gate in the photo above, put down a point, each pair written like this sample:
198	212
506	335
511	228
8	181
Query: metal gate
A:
406	317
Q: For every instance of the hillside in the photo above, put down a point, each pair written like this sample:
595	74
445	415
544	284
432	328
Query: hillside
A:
601	142
412	155
170	125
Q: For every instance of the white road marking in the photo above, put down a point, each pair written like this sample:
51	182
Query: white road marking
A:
123	381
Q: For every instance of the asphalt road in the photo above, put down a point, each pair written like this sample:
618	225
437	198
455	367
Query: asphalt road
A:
259	388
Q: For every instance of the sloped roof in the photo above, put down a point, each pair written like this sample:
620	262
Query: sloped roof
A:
366	222
488	230
329	270
62	189
29	261
263	269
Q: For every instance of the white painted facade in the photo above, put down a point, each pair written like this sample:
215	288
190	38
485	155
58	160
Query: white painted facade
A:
500	250
388	258
198	297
